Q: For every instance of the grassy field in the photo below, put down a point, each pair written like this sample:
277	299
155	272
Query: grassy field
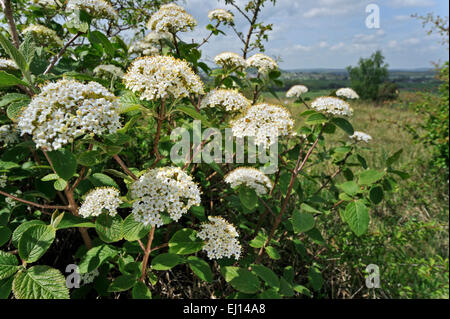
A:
409	236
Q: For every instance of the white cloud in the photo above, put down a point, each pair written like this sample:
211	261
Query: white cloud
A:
411	3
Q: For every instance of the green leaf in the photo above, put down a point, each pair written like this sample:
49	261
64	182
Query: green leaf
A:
60	184
95	257
15	109
7	80
270	293
357	217
134	230
370	177
195	115
272	252
28	48
302	290
248	197
316	236
316	118
166	261
99	180
50	177
302	222
185	242
12	97
8	265
241	279
122	283
350	188
13	53
64	163
267	275
98	37
5	235
315	278
394	158
286	288
40	282
344	125
18	232
305	207
109	228
71	221
6	287
89	158
141	291
200	268
376	194
258	241
35	241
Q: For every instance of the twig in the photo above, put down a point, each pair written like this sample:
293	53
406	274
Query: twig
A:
33	203
148	250
61	52
124	167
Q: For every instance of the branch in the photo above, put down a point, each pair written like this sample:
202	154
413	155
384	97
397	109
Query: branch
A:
33	203
124	167
60	54
6	4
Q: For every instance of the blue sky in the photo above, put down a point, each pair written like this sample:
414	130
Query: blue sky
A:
333	33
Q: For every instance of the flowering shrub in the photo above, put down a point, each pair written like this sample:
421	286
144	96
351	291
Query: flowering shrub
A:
86	146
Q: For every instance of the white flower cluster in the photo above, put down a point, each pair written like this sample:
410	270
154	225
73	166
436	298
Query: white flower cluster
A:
8	135
263	63
7	64
171	18
221	239
43	35
230	60
332	105
162	76
296	91
265	122
3	181
108	71
160	190
221	15
143	48
12	202
361	137
99	200
96	8
67	109
231	100
156	37
347	93
250	177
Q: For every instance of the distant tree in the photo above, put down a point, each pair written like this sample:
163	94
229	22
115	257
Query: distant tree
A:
367	77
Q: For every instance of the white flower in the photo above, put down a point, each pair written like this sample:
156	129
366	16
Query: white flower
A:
250	177
161	77
230	60
221	239
231	100
3	181
263	63
96	8
155	37
347	93
45	3
361	137
8	135
7	64
332	105
163	190
12	202
99	200
89	277
221	15
265	122
171	18
143	48
67	109
44	36
296	91
108	71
